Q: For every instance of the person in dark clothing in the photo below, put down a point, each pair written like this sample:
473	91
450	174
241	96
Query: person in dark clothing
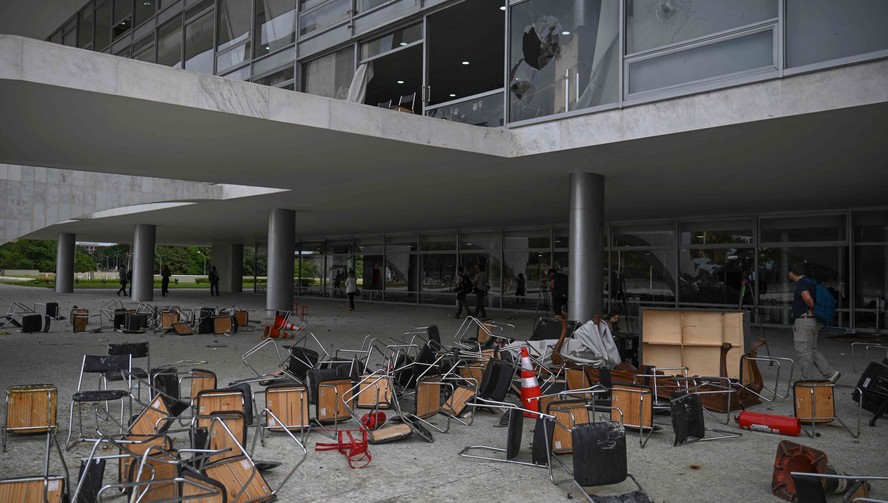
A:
165	281
558	287
122	273
214	281
481	287
805	327
520	288
462	288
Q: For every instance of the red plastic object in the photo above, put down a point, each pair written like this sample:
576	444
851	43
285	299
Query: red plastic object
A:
769	423
793	457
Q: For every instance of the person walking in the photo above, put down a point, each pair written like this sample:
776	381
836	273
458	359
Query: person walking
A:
122	273
165	280
462	288
481	287
520	288
805	327
558	287
351	289
214	281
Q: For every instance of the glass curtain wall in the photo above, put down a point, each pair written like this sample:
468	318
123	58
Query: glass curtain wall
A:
330	75
823	30
820	242
233	34
643	265
564	56
528	254
274	26
199	44
438	253
870	269
715	259
402	274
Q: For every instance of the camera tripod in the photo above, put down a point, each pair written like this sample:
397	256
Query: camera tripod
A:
746	288
544	306
619	295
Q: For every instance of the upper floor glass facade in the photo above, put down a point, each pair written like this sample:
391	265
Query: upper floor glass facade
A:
488	62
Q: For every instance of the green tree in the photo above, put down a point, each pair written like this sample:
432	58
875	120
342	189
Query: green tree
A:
82	261
177	258
28	254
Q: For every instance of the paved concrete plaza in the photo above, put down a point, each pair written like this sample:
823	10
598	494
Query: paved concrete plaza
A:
732	470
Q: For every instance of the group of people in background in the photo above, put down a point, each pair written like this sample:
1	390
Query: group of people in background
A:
478	285
125	276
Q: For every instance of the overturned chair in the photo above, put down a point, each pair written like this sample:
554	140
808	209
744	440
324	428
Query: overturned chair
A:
514	435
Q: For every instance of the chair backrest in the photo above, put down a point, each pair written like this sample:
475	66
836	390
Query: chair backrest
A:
290	404
428	396
514	432
99	364
435	336
375	391
202	379
385	104
599	453
496	380
135	349
687	418
813	401
334	400
636	402
568	413
408	101
576	378
458	401
809	489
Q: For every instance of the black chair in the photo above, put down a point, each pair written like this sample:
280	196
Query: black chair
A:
136	350
600	459
687	420
514	435
100	365
408	101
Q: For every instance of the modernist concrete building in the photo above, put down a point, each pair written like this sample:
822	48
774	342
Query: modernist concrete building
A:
661	152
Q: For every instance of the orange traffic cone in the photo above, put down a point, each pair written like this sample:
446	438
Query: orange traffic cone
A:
530	386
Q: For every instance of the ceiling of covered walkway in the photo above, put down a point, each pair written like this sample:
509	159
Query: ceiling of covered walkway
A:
380	172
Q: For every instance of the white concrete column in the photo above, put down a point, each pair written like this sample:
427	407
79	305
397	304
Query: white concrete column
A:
142	289
64	282
281	245
586	248
229	262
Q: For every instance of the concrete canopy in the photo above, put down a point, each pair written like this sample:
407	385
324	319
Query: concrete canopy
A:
801	143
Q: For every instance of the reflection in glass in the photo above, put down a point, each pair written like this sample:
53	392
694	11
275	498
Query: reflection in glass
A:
533	264
169	43
276	78
438	276
714	276
486	111
332	11
275	25
716	232
369	4
144	11
234	23
565	56
648	275
199	45
233	57
438	242
146	55
726	57
871	227
103	26
391	41
330	75
658	23
828	265
823	30
84	37
123	17
803	228
311	273
652	234
870	285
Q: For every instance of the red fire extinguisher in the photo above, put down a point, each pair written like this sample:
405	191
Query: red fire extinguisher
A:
769	423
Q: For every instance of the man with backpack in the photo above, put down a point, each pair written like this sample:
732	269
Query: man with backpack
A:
806	326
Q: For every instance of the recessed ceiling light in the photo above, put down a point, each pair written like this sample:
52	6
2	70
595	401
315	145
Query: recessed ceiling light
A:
465	62
565	33
452	95
502	7
403	43
400	82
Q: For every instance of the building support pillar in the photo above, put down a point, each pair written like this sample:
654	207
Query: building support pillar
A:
64	277
281	244
144	237
229	262
586	248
